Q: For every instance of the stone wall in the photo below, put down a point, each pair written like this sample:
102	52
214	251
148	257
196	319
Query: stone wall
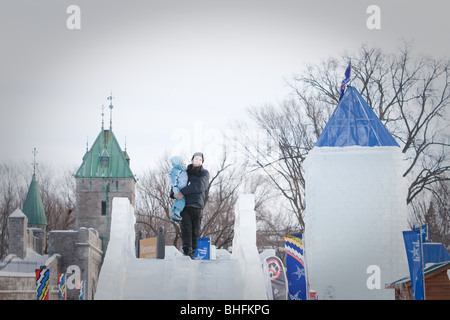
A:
39	240
17	286
22	285
81	249
90	193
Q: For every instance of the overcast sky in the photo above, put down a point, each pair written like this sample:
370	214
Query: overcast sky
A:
179	70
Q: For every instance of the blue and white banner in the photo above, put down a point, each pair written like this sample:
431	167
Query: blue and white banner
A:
413	248
296	268
423	230
203	249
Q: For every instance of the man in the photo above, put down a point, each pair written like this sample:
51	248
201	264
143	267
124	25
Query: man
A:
194	194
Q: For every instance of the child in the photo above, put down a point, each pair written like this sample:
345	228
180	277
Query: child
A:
178	180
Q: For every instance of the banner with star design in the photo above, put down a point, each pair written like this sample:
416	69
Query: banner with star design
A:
296	268
413	246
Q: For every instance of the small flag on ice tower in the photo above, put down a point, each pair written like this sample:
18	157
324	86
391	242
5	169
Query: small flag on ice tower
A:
346	80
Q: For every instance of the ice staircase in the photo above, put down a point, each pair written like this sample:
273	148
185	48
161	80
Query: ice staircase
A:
238	276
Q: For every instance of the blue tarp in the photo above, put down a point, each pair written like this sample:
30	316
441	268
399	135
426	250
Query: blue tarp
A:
353	123
434	253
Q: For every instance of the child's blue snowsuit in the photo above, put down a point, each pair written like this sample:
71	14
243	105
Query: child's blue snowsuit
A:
178	180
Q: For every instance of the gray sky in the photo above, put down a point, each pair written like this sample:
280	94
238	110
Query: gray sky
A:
180	70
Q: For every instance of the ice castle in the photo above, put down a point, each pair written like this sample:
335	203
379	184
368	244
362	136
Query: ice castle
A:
355	205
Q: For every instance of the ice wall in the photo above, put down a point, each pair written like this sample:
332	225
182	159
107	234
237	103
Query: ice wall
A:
123	276
245	250
354	218
120	251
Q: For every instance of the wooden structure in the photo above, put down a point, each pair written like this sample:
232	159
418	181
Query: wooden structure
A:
437	283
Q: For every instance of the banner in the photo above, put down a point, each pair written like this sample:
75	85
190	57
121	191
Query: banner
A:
423	230
61	286
277	277
413	248
296	268
42	283
82	290
147	248
203	249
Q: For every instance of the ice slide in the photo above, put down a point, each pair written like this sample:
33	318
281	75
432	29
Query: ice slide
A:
231	276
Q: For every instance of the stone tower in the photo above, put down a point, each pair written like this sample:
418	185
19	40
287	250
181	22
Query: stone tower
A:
104	174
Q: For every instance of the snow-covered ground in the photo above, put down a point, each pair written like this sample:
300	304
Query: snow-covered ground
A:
236	276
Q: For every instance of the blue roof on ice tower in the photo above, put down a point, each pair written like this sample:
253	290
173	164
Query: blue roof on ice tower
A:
353	123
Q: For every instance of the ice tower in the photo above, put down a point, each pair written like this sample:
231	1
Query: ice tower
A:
355	206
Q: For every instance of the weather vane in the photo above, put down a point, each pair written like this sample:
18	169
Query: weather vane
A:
34	161
110	98
103	108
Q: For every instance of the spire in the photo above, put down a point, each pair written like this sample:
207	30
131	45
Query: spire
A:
110	98
103	114
33	207
104	158
34	160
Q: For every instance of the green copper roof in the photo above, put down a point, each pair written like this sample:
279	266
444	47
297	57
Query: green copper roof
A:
33	207
105	159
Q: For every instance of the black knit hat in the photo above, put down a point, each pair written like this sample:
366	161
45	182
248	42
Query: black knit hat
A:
198	154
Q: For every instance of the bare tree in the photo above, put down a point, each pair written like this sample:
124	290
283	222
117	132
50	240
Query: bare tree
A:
434	211
286	140
9	201
154	205
409	94
58	197
272	213
218	215
57	192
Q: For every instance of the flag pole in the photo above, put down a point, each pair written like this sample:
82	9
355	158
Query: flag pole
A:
421	261
308	289
350	79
